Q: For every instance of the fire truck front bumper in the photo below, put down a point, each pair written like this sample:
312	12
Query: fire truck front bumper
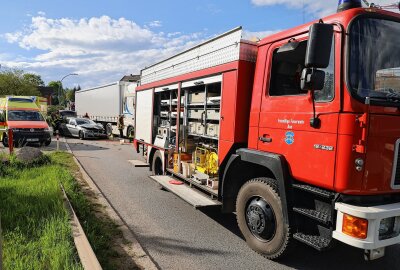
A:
371	228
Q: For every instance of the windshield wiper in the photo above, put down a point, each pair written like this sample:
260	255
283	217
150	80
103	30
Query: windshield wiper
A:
391	95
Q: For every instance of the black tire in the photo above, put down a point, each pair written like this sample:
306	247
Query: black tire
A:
5	140
108	128
81	135
260	218
47	143
129	132
157	165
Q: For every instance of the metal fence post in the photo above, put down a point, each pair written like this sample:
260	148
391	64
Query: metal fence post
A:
1	247
10	141
58	140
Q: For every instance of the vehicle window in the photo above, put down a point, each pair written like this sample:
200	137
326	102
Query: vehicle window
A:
72	122
286	73
84	121
2	116
374	59
68	114
24	116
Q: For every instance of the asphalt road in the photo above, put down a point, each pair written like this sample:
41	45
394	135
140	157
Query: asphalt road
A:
177	236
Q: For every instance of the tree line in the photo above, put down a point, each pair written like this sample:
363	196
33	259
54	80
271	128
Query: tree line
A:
19	83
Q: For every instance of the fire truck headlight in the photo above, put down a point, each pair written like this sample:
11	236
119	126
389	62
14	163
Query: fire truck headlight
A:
389	228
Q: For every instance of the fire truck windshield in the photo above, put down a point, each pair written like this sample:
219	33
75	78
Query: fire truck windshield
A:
374	59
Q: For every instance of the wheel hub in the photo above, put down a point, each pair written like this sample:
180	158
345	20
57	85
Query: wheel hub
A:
260	219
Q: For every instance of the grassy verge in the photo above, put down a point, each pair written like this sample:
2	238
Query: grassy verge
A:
35	224
104	236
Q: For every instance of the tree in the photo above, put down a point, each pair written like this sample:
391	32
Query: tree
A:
33	79
70	93
15	82
58	93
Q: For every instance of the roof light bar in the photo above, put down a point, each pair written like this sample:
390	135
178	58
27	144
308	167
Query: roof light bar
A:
348	4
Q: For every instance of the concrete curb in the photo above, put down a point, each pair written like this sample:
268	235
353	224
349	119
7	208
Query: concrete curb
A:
85	252
142	259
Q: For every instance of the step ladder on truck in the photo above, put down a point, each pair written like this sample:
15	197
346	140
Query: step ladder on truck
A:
298	134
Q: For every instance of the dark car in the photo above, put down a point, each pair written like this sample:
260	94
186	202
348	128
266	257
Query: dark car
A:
83	128
66	114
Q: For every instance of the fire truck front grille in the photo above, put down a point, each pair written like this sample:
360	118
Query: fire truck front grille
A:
396	166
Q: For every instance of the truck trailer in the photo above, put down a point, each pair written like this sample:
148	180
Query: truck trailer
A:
295	134
104	104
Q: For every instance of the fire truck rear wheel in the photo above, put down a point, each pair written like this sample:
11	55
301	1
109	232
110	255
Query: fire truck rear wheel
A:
260	218
157	164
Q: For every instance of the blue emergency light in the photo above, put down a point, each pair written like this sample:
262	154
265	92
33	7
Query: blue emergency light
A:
348	4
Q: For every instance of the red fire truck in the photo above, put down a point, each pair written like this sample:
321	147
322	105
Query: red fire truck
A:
298	134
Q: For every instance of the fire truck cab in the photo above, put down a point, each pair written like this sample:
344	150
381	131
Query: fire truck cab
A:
298	134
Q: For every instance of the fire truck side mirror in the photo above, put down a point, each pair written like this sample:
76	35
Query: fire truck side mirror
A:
312	79
319	45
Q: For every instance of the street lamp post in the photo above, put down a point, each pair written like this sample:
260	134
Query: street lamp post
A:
60	88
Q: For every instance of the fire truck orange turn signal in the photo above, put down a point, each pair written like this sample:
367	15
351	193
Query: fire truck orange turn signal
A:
355	226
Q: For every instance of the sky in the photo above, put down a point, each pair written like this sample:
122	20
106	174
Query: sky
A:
104	40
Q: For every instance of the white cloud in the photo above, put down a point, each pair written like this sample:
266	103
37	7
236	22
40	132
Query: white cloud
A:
316	8
41	13
99	49
155	24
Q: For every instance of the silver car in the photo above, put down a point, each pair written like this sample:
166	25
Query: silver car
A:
84	129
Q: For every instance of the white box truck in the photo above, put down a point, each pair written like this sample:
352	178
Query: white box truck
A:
105	103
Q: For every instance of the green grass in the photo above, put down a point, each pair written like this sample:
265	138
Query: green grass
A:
99	229
35	224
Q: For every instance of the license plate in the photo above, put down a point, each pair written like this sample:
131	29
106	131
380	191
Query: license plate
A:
32	140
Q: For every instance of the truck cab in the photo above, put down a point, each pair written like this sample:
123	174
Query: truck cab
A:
342	138
22	116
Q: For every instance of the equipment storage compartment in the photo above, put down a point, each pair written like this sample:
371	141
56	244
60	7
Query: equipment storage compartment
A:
213	114
212	130
192	127
199	128
165	102
195	113
197	97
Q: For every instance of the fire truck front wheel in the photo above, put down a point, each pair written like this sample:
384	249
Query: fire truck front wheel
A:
260	218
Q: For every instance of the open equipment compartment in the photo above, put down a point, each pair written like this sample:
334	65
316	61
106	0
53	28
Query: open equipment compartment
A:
197	118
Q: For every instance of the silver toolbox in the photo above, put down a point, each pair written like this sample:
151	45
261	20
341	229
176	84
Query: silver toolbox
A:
175	101
199	128
212	130
164	123
163	131
192	127
197	97
213	114
174	114
195	113
165	102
